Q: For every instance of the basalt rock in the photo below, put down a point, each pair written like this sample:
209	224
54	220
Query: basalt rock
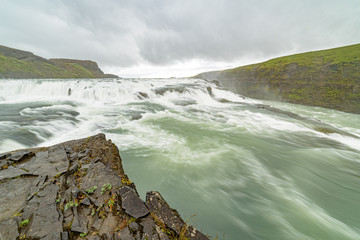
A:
78	190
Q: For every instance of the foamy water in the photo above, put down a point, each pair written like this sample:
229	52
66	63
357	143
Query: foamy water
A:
246	171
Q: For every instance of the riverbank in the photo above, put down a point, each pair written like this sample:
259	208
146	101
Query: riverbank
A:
328	78
76	190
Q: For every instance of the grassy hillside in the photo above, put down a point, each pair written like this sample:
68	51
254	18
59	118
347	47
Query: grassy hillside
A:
21	64
327	78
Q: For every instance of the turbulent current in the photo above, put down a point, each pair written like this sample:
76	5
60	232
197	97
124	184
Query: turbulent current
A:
247	169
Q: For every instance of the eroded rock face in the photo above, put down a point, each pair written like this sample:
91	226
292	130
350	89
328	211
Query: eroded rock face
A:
78	190
170	218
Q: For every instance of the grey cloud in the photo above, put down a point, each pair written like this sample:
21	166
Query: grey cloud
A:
161	32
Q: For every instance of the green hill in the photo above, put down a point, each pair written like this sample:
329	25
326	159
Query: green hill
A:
16	63
327	78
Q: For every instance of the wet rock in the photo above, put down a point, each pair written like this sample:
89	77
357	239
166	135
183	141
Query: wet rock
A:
4	164
46	219
97	224
143	95
124	234
223	100
109	225
161	234
96	202
209	90
172	88
93	238
8	230
134	226
149	228
107	236
193	234
73	156
52	162
73	188
20	155
74	168
84	153
217	83
185	102
79	223
64	236
11	173
13	195
4	155
132	204
86	202
170	217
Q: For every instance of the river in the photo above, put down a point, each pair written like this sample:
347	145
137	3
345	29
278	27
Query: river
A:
234	167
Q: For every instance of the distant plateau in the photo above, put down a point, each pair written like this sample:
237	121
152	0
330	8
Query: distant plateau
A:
327	78
18	64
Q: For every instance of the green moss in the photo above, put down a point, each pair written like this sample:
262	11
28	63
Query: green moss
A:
333	94
14	68
24	223
327	78
105	188
91	190
324	130
71	204
83	234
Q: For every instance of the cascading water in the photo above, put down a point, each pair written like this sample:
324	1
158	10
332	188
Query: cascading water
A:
247	170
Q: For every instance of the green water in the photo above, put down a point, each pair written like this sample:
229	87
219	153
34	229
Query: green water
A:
244	170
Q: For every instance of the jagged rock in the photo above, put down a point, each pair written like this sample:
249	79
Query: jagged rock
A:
132	203
149	230
170	217
162	235
11	173
79	223
13	195
8	230
163	212
46	220
109	225
107	236
124	234
20	155
78	188
185	102
193	234
4	155
143	95
86	202
97	224
134	226
94	238
52	162
64	236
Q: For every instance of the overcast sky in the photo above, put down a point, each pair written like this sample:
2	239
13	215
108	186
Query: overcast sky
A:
176	37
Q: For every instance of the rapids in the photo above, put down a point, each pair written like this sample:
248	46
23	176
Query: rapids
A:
247	169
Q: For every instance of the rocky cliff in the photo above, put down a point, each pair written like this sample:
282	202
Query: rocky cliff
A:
16	63
328	78
78	190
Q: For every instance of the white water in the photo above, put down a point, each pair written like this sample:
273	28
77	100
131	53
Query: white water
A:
246	171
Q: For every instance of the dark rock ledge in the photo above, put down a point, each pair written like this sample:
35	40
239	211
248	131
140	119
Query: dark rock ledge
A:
78	190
